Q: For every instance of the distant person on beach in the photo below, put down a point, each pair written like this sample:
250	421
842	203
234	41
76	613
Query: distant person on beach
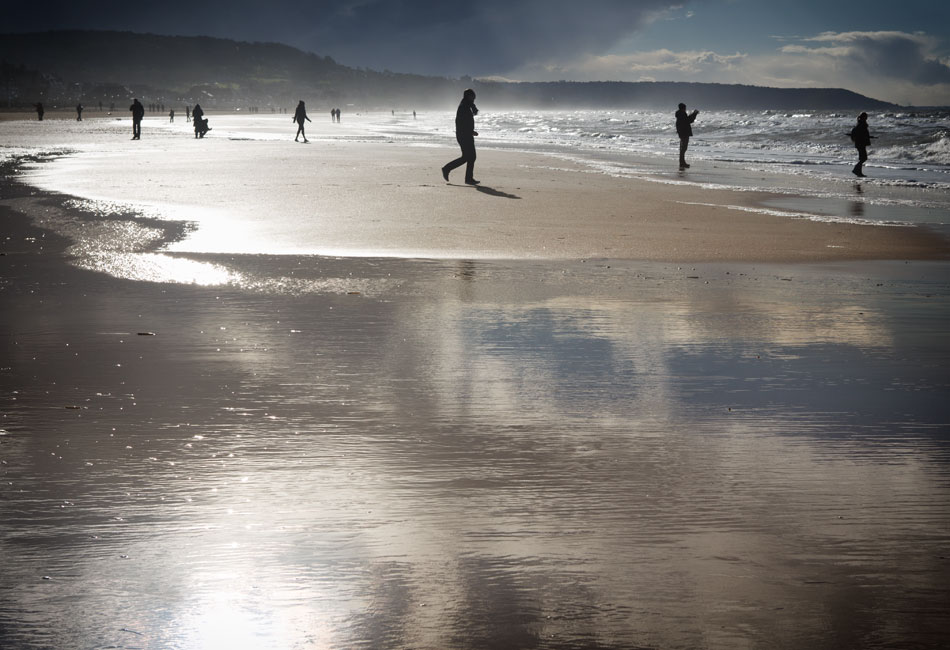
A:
138	112
465	135
201	124
187	113
862	140
684	129
79	112
300	116
171	115
39	110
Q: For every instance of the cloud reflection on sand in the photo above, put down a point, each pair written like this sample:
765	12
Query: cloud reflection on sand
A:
479	456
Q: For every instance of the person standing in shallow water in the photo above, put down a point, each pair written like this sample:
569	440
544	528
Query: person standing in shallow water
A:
465	135
300	116
138	112
862	140
684	129
39	110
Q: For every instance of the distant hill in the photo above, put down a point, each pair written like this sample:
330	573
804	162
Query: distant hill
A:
667	94
90	66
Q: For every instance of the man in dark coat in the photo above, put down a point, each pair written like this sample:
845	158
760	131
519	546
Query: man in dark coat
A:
465	135
684	130
862	140
138	112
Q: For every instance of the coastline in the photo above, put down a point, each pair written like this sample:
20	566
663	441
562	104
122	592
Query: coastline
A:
544	450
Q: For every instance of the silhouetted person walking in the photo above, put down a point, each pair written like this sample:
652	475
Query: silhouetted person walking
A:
171	115
300	116
201	124
138	112
862	140
684	129
465	135
39	110
79	112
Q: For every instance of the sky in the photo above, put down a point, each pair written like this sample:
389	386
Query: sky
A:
895	51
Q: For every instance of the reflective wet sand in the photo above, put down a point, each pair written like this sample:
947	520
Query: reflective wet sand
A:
261	451
372	453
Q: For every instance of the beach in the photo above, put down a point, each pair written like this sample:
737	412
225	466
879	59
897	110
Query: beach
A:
261	394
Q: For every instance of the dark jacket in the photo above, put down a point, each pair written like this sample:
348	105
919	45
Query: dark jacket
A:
684	123
861	135
138	111
300	114
465	118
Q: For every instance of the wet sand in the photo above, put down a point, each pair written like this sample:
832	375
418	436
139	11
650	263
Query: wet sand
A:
466	453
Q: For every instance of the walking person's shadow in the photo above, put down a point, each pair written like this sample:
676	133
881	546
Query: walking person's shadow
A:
493	192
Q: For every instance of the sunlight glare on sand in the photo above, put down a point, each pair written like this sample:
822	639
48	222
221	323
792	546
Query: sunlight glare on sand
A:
157	267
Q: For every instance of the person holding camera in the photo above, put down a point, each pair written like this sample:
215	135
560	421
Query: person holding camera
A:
684	128
465	135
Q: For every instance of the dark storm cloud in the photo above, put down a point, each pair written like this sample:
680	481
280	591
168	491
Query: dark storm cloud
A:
426	36
892	54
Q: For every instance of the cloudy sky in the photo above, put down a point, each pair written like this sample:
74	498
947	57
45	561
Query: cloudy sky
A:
896	51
